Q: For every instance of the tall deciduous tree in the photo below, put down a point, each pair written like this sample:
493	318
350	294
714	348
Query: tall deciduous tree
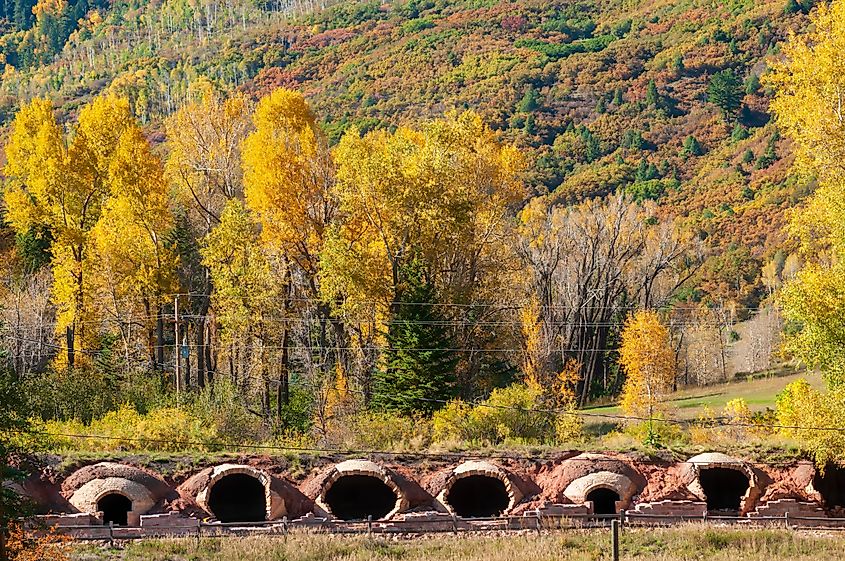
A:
648	359
62	185
204	168
808	106
442	195
288	178
132	265
248	297
586	265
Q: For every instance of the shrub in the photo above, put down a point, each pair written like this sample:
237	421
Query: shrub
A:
417	25
221	405
506	415
380	431
167	429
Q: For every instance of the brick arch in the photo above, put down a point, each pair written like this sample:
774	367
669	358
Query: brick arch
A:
364	468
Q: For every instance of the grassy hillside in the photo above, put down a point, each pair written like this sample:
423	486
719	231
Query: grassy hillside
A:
760	394
606	96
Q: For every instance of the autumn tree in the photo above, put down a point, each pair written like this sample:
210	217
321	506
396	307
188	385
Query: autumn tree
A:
288	178
204	168
133	265
247	298
810	86
62	184
443	195
647	357
586	265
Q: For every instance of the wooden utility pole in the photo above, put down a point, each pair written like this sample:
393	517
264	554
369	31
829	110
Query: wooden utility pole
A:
178	349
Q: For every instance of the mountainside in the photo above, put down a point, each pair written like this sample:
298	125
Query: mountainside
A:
606	95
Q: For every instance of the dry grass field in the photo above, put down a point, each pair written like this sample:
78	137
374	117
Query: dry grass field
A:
692	542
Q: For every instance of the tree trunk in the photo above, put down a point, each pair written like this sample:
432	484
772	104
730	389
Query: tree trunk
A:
151	334
69	336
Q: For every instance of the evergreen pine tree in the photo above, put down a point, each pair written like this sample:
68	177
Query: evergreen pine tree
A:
419	364
530	101
725	92
652	97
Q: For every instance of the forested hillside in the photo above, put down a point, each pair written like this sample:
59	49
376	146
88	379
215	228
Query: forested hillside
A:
385	206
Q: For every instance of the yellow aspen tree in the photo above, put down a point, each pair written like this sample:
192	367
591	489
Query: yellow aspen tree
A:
648	360
247	292
808	107
133	266
61	185
204	169
204	159
442	194
440	197
288	176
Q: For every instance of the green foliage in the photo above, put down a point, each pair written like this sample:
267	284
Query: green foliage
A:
222	407
748	156
691	147
505	416
752	84
575	26
651	190
561	51
725	92
14	413
419	364
792	7
769	155
739	133
633	140
652	96
89	392
530	100
34	248
417	25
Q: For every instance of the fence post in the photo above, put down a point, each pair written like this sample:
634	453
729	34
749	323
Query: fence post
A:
614	527
786	518
621	518
111	533
539	522
369	525
455	523
285	527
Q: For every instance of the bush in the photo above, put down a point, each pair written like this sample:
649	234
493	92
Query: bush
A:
506	415
88	393
221	405
166	429
380	431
